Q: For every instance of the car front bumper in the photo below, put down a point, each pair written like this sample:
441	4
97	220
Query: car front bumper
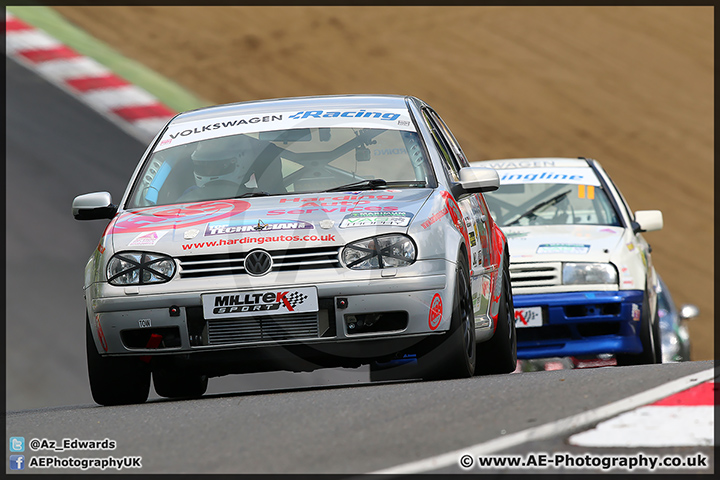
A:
172	323
581	323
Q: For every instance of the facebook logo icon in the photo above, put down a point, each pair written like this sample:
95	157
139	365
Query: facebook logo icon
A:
17	462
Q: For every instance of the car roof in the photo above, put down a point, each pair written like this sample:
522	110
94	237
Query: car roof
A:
533	162
318	102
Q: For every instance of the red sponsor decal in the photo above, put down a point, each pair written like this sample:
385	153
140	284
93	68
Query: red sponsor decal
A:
281	296
101	335
485	287
434	218
435	312
457	220
521	317
496	301
352	198
260	240
301	211
169	217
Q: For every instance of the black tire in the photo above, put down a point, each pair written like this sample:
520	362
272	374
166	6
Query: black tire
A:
650	339
454	356
179	384
499	354
116	380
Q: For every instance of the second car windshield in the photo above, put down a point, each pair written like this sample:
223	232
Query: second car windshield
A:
281	162
527	204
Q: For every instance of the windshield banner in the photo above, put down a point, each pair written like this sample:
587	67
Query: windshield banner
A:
575	176
385	118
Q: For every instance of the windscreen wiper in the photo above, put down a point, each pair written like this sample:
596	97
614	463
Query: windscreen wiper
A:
546	203
253	194
368	184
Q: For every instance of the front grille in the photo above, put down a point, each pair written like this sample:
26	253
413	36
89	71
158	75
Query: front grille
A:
193	266
535	274
256	329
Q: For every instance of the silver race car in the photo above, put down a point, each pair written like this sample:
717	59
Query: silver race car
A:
296	234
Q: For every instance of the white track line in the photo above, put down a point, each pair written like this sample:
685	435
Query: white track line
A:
552	429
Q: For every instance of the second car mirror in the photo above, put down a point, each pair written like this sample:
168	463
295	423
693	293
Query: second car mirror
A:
648	220
689	311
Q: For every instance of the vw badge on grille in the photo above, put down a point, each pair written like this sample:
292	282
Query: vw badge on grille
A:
258	262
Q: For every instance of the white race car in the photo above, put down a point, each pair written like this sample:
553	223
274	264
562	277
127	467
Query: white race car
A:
581	272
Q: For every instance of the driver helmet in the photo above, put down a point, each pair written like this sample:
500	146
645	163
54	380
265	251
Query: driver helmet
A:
218	159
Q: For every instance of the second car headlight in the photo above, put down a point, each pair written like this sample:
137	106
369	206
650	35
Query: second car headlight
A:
589	273
384	251
139	268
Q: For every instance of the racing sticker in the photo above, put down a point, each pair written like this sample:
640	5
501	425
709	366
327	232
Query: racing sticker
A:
574	175
454	209
187	132
354	198
473	242
435	312
147	239
246	225
528	317
260	302
370	219
169	217
563	248
434	218
101	335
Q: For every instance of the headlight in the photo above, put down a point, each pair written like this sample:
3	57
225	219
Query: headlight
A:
589	273
139	268
384	251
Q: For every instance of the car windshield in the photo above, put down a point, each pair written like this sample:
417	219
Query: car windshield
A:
523	204
277	162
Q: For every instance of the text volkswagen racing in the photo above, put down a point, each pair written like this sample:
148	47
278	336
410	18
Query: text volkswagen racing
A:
296	234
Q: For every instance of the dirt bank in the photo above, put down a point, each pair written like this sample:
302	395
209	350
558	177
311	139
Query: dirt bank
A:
629	86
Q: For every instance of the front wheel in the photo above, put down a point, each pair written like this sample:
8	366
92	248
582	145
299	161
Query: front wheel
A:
115	380
454	357
499	354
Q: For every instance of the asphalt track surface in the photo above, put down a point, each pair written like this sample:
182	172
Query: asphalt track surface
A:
325	422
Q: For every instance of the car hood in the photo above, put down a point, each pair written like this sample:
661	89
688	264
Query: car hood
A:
552	243
272	223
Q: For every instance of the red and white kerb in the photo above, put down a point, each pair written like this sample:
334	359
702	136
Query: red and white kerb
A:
684	419
129	106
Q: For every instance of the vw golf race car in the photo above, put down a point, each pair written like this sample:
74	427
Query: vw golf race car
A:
581	271
296	234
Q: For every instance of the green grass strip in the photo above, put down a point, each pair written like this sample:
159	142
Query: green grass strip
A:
55	25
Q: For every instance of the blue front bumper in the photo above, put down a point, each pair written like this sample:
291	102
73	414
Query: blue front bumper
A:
581	323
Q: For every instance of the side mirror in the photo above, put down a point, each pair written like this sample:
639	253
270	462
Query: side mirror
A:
476	180
648	221
689	311
93	206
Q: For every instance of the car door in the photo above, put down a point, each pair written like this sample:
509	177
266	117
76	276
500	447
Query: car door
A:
474	215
